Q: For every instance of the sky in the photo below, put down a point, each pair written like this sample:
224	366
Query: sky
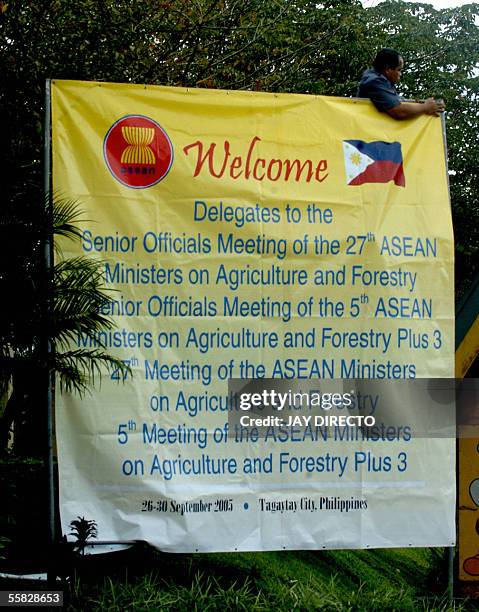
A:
438	4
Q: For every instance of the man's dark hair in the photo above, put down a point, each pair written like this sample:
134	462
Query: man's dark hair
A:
386	58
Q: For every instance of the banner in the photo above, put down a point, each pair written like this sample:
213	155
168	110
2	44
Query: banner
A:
255	236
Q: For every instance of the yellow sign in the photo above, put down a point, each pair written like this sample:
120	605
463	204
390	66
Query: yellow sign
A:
251	235
468	509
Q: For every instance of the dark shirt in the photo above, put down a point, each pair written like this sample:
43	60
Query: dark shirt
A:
379	90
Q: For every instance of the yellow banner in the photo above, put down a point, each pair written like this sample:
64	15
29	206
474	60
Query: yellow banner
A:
252	235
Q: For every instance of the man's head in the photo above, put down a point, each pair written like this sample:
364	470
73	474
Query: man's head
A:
390	63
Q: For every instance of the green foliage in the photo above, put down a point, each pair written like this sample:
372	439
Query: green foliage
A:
78	300
56	309
441	60
337	580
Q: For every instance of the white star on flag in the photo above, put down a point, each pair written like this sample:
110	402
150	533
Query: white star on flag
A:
355	162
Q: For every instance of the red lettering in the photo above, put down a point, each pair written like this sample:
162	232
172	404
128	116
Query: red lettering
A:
236	163
299	169
248	157
256	164
210	159
321	167
208	155
270	169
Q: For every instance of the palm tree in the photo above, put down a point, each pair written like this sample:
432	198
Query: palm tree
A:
83	530
56	310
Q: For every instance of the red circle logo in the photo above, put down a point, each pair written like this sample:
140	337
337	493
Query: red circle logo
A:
138	151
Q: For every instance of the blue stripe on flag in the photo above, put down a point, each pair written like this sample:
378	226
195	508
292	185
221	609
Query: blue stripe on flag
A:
379	150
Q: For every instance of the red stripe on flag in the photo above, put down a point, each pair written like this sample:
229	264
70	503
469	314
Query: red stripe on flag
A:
381	172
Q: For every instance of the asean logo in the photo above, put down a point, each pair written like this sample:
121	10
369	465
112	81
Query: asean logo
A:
137	151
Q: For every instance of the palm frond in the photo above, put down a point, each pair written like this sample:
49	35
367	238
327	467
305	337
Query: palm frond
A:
66	213
77	369
72	316
79	300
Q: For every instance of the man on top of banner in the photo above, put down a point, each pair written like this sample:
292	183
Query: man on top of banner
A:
378	84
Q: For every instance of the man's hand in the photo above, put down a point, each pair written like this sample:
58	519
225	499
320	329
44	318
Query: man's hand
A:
434	107
407	110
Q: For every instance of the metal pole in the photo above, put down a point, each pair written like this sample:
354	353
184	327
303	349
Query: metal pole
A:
450	572
444	141
48	345
450	549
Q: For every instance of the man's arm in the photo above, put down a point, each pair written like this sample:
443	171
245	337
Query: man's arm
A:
407	111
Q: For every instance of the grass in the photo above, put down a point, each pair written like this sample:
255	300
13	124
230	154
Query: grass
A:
385	580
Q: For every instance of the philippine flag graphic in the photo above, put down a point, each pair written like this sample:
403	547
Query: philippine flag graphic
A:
373	162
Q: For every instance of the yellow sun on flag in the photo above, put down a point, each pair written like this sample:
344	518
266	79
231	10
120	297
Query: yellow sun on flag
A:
355	158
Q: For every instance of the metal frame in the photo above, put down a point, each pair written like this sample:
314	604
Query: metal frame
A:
450	550
48	260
